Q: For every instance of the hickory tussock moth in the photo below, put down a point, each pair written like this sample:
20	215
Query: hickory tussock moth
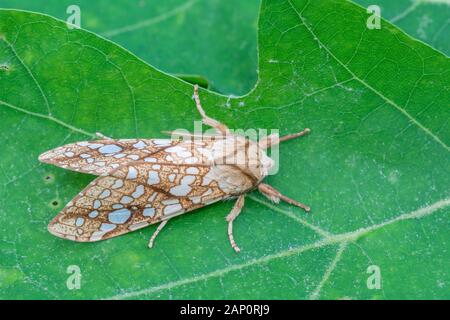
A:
146	181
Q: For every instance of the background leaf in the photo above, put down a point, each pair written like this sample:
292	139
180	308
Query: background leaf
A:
190	36
374	170
427	20
213	38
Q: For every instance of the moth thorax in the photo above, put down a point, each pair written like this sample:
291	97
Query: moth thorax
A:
243	153
266	163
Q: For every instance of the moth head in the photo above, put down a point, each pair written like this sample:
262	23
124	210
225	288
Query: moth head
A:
259	161
266	163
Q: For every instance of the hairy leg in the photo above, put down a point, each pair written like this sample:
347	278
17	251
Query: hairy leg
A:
274	195
157	231
230	218
273	139
207	120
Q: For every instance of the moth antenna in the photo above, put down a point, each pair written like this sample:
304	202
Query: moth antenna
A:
273	139
295	135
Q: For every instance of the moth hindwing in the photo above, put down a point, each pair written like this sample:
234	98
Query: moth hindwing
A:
145	181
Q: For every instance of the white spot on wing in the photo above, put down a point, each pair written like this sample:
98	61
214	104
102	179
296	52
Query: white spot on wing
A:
173	208
109	148
183	189
105	194
133	157
139	145
117	184
195	200
138	192
188	180
119	216
148	212
192	170
162	142
153	178
132	173
97	204
94	145
105	227
179	151
93	214
180	190
79	222
170	201
126	200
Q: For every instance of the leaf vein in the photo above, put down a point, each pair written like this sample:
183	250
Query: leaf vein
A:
48	117
333	239
364	83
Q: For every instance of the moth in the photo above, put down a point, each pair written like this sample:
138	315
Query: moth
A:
146	181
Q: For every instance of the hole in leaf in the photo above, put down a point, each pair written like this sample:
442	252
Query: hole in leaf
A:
55	203
48	178
4	67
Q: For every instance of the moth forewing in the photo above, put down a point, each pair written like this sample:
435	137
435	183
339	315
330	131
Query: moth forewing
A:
146	181
99	157
134	196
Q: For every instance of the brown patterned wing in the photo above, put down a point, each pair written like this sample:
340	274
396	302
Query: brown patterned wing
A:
101	157
135	196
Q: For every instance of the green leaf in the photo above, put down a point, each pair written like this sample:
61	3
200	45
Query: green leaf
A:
374	169
427	20
174	36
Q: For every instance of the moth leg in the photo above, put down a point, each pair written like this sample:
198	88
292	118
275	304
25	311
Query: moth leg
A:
207	120
230	218
157	231
102	136
272	139
274	195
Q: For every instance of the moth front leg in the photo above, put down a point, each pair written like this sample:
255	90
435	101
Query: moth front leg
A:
157	231
239	204
223	129
273	139
274	195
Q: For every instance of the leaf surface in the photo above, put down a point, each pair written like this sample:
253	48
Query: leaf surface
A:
212	38
374	169
427	20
